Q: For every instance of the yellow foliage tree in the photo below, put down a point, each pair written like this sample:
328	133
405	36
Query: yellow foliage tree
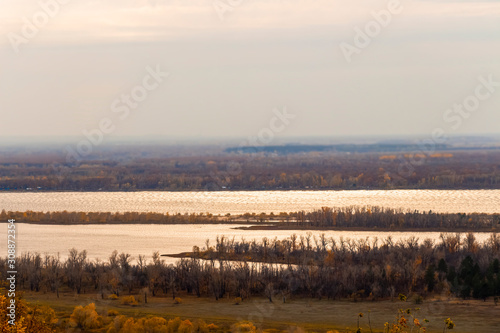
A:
28	318
86	317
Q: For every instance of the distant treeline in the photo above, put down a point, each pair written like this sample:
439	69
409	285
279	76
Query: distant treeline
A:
342	148
134	170
359	218
392	219
322	267
65	217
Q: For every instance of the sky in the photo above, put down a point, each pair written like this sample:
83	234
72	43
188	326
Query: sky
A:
231	68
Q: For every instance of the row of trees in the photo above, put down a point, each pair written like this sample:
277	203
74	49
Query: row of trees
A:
325	218
458	264
66	217
387	218
147	169
305	266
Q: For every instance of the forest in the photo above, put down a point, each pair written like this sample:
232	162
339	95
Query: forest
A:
345	218
307	266
281	271
344	148
180	168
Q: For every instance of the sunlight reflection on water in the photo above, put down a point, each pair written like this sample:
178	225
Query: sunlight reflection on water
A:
463	201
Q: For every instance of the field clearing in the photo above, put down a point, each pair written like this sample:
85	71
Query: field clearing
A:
311	314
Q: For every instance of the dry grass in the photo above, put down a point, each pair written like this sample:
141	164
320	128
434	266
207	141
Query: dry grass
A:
311	314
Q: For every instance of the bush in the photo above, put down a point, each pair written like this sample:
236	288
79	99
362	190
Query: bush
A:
113	297
86	317
113	313
185	327
129	300
155	324
130	325
38	319
212	327
123	324
243	326
177	300
173	325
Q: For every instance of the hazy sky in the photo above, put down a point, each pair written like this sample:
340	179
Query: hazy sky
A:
231	62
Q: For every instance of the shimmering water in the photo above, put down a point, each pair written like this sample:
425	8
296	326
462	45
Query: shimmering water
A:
101	240
464	201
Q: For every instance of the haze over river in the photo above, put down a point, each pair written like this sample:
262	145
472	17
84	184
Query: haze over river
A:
101	240
453	201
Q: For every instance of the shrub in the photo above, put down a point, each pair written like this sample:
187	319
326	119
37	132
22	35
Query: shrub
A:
177	300
129	300
113	313
155	324
173	325
201	326
45	314
39	319
123	324
86	317
185	327
406	321
117	324
130	325
113	297
212	327
448	324
243	326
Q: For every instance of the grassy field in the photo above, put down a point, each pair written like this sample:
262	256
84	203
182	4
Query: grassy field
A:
311	314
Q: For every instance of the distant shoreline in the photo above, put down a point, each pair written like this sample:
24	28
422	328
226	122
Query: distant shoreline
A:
358	218
355	189
269	226
291	228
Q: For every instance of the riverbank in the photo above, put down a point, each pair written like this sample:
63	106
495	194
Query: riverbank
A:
377	219
275	226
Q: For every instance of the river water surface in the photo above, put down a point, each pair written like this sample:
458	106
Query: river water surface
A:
463	201
101	240
135	239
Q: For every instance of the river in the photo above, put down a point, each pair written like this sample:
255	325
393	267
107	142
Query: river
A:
453	201
101	240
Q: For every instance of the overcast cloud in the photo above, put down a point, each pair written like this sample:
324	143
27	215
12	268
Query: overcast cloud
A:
226	76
